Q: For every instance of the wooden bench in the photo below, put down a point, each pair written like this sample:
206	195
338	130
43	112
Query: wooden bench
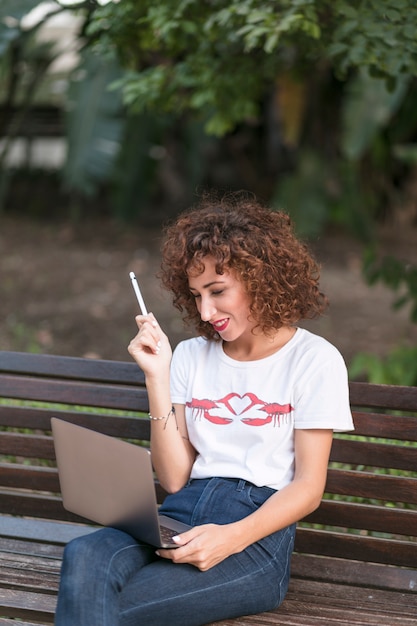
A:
355	561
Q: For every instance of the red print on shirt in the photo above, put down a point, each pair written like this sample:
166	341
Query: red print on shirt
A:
237	405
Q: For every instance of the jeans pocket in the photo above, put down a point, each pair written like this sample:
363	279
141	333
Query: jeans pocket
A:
258	495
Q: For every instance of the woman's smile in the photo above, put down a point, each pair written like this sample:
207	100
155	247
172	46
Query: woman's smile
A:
221	325
221	300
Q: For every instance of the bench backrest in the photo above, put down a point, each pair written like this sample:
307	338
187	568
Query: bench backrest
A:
368	517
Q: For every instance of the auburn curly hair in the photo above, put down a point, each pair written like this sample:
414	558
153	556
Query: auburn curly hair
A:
277	270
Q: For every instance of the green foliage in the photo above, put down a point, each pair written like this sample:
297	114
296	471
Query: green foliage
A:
306	187
377	34
398	275
406	153
95	122
218	60
219	64
213	60
368	107
11	14
199	63
399	367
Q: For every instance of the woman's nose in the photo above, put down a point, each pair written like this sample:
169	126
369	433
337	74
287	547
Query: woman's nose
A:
207	309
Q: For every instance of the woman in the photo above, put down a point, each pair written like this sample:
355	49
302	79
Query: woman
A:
242	418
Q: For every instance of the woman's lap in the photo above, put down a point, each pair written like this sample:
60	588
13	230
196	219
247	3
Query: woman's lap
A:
136	587
166	593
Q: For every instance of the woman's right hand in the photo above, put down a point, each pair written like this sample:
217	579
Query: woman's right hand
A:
150	348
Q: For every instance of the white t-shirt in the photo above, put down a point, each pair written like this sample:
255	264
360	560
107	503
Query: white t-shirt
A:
241	415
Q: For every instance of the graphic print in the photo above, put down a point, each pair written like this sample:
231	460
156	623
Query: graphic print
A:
237	405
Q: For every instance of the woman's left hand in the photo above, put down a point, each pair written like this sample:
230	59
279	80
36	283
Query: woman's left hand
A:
203	546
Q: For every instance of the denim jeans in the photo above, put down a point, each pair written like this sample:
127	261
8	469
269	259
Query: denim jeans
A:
110	579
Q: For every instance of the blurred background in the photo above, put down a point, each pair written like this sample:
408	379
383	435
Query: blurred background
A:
114	116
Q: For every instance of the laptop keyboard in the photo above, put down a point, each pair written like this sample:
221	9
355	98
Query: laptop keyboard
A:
167	534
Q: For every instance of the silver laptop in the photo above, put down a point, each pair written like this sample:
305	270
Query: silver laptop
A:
110	482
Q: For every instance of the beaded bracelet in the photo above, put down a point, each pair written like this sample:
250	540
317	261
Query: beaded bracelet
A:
165	417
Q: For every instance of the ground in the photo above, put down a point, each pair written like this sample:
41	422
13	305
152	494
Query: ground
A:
65	289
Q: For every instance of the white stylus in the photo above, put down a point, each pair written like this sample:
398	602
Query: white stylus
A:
138	293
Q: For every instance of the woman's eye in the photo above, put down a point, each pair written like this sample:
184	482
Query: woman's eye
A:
217	293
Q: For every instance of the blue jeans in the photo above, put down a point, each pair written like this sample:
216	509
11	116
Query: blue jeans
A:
110	579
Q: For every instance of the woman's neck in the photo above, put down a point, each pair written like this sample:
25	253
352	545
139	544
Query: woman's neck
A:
259	346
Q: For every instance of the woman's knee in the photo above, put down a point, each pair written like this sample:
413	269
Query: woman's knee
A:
94	548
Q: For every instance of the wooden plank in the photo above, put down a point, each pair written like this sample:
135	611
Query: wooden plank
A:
28	605
35	505
30	575
36	478
372	486
27	445
40	531
316	604
348	616
95	370
12	622
12	545
347	572
394	397
356	547
45	506
385	426
134	427
352	595
372	454
68	392
366	517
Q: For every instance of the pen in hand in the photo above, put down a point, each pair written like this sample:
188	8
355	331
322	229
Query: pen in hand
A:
136	288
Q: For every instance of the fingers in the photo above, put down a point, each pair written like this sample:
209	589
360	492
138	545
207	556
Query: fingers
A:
143	319
197	547
148	340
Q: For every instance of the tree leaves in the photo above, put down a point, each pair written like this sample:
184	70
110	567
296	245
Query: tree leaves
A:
378	34
368	107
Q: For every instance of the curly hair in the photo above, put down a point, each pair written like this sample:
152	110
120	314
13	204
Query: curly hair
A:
258	244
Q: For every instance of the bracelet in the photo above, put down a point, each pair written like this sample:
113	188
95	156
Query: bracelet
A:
165	417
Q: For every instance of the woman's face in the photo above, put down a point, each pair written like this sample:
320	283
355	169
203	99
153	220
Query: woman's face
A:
222	301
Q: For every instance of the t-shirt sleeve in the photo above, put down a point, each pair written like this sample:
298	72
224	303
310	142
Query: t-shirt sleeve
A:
179	373
322	394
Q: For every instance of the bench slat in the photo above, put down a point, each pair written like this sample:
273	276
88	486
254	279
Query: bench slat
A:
365	517
39	534
69	392
29	477
27	445
374	454
12	622
35	505
25	574
395	397
380	576
134	427
29	605
11	546
310	603
403	428
94	370
372	486
357	548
